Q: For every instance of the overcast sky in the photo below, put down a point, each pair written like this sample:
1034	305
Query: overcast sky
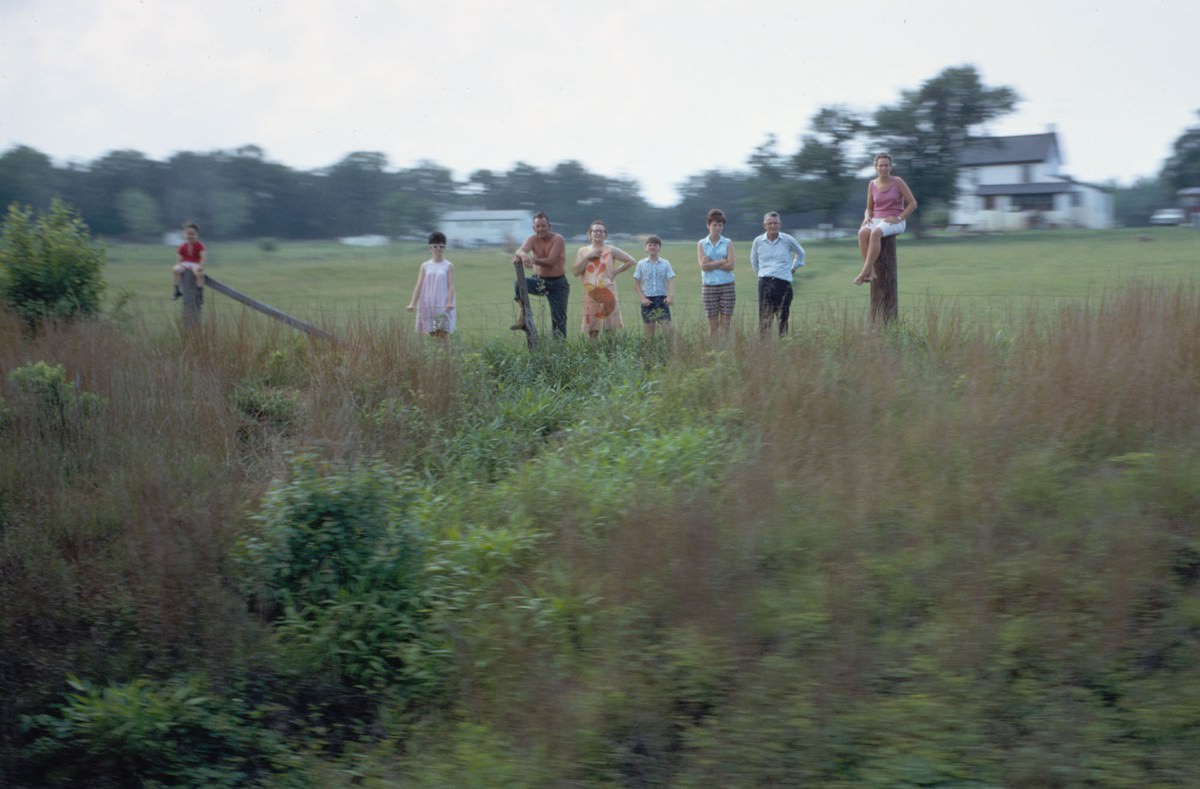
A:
655	90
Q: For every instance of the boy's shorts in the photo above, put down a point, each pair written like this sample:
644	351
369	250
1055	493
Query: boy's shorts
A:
718	299
657	310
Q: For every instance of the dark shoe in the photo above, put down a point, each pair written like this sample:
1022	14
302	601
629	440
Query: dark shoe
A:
199	295
178	294
519	326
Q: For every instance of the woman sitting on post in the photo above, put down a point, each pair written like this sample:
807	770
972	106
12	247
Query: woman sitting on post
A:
889	203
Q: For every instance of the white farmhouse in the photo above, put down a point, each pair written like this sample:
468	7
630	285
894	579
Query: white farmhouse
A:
1013	183
486	228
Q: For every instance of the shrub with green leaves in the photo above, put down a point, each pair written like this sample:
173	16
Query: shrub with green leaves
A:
51	267
267	405
147	733
337	564
331	529
55	405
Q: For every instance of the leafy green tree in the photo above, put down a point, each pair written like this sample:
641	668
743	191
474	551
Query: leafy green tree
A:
91	189
408	213
729	191
27	176
928	129
571	194
769	177
49	265
230	212
274	192
1182	169
356	188
139	211
419	196
1133	204
826	164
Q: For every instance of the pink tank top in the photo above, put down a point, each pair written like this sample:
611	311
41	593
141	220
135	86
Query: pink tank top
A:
888	203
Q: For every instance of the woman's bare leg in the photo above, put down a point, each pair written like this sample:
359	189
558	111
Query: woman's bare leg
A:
873	245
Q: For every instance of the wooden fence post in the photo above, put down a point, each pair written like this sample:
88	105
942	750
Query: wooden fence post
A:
526	310
885	288
191	301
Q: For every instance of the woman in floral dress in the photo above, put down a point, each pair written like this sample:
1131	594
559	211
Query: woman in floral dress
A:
595	263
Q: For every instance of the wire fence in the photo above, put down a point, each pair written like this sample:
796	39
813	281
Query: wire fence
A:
487	321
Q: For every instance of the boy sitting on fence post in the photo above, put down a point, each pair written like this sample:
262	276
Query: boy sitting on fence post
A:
192	256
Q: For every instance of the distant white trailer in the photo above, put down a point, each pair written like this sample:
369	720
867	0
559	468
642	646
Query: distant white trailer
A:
486	228
365	241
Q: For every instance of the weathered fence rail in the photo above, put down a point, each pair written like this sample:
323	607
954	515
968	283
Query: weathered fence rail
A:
192	305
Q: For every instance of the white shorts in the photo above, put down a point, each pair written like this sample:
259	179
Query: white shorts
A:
190	265
888	228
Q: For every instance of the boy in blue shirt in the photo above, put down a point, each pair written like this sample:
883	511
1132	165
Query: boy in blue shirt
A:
654	281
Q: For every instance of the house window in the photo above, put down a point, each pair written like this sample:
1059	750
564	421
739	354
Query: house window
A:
989	203
1033	202
1076	199
1026	173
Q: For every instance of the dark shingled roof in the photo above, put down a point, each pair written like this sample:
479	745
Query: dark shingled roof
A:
1018	149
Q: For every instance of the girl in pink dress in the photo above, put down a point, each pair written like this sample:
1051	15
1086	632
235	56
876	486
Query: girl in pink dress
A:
433	296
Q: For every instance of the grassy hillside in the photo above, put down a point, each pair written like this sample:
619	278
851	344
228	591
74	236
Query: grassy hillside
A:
964	551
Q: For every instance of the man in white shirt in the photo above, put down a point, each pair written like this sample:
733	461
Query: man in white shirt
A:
775	256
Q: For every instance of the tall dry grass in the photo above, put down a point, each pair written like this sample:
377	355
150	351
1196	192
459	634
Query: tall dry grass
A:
116	532
761	559
937	520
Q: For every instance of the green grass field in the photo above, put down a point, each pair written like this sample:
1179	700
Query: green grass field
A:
332	284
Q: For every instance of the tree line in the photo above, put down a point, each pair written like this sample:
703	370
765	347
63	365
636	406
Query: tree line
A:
241	193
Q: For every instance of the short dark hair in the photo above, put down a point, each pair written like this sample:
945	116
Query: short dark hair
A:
541	215
437	237
884	155
653	239
192	225
600	222
715	215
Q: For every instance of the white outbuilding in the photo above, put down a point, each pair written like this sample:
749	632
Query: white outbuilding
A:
486	228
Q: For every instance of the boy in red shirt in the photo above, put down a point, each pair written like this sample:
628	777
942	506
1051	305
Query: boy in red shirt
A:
191	258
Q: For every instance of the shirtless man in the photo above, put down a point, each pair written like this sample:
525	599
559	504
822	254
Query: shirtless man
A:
546	253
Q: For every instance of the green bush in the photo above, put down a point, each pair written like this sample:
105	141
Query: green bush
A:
337	564
469	755
51	267
328	530
267	405
146	733
54	405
